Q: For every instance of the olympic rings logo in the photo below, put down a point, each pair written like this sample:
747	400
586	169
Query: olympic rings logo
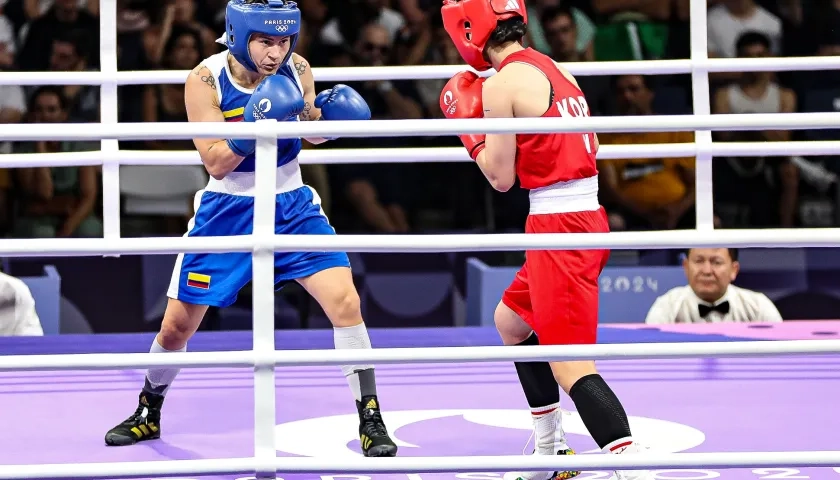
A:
282	28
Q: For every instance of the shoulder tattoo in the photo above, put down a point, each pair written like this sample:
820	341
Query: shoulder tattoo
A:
204	74
300	67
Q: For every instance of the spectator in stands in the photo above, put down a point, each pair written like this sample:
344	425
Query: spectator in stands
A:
377	192
710	296
441	51
35	8
581	26
755	191
165	103
645	193
8	44
631	30
62	17
729	19
17	309
71	53
561	34
55	201
175	14
352	16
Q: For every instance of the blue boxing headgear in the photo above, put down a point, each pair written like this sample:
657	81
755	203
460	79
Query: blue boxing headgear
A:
243	19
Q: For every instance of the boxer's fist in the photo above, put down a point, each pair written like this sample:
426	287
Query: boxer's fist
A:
342	103
277	97
461	98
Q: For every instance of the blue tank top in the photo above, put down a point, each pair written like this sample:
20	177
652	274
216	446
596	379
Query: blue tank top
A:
233	98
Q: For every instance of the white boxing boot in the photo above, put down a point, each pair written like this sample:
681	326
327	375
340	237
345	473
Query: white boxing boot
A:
549	439
626	446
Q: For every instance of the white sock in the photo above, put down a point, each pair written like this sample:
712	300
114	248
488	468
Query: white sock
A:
621	446
359	377
548	429
158	380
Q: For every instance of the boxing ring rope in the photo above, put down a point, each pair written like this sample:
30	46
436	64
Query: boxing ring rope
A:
263	243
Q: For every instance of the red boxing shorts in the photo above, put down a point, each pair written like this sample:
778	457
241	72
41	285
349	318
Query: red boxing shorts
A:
556	291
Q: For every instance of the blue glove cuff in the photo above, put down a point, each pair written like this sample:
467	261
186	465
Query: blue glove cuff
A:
243	148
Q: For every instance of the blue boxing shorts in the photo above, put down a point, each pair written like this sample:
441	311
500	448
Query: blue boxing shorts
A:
226	207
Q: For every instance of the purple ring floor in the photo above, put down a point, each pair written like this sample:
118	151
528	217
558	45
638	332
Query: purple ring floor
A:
693	405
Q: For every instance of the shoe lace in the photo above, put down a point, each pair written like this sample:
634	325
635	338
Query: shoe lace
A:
137	416
374	424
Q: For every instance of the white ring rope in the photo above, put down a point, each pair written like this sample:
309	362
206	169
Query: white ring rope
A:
435	72
263	358
420	128
418	155
382	356
266	244
234	466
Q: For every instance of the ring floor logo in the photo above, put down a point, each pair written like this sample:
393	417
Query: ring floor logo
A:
468	432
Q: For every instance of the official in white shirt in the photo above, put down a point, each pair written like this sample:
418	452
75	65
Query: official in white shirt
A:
710	296
17	309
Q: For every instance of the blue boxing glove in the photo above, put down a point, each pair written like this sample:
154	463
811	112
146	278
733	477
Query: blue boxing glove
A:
342	103
276	97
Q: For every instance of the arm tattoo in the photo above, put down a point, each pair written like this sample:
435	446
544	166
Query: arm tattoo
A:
306	114
300	67
209	80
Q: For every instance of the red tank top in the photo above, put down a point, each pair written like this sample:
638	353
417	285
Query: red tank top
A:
543	159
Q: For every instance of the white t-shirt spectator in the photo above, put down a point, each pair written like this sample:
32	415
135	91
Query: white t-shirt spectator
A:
724	30
11	96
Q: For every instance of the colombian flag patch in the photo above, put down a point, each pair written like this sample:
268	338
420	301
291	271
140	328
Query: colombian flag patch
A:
198	280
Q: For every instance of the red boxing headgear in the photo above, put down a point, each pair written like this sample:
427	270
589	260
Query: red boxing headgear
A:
469	24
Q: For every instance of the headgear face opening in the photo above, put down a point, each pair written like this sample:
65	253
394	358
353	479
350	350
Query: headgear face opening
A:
470	23
278	18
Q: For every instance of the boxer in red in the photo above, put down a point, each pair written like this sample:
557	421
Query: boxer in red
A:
554	298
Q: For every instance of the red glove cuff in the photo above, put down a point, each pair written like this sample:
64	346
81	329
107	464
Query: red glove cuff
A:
474	144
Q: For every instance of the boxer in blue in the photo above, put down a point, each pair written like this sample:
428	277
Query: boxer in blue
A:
257	77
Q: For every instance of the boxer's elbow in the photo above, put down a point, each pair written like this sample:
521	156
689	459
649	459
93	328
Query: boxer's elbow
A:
501	181
501	185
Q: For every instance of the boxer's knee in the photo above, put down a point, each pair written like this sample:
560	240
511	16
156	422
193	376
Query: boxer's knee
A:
180	322
512	328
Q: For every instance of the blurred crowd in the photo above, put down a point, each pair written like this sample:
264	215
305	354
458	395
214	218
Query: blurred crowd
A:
750	192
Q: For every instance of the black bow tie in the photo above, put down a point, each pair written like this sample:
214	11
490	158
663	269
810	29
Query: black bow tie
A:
706	309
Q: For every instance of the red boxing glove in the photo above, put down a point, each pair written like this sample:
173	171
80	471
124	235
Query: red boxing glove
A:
461	98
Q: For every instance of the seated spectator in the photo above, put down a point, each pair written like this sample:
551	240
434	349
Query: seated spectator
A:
165	103
631	30
17	309
63	17
176	14
540	39
35	8
8	43
729	19
710	296
377	192
643	193
55	201
71	53
441	51
562	33
755	191
353	15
